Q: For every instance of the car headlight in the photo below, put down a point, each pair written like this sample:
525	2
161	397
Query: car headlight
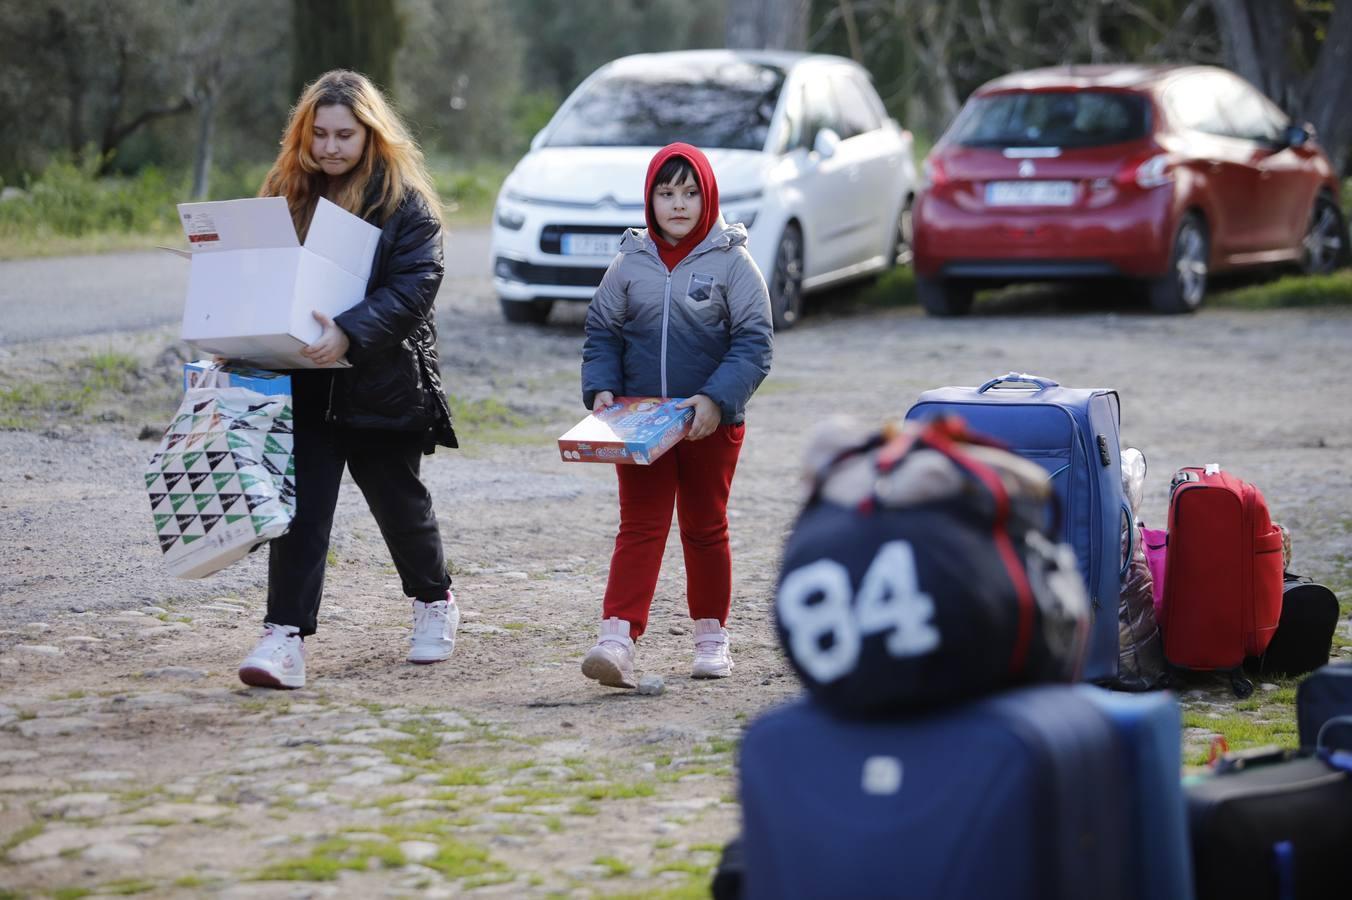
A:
511	219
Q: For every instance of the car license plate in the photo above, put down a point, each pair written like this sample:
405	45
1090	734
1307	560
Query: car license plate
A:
590	244
1030	193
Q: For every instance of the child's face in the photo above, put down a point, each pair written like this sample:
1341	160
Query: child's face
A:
677	207
338	140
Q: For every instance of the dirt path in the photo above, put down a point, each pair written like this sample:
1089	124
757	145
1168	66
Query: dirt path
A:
131	760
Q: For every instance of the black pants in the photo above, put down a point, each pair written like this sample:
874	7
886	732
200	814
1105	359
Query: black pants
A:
385	466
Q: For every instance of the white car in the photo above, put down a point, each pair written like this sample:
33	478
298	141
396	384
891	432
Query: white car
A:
805	154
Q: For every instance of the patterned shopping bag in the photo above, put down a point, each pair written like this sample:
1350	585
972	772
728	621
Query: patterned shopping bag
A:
222	481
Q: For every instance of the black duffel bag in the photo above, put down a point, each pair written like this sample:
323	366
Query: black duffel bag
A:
920	572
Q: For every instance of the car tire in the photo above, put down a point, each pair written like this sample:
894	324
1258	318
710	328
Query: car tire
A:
903	246
943	297
786	281
1181	288
526	312
1324	247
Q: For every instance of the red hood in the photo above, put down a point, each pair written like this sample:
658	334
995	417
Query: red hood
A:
708	188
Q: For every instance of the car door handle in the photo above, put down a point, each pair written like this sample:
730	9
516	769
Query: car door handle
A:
1214	166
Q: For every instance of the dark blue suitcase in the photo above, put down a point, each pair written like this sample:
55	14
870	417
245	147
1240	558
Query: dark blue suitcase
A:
1324	696
1157	852
1073	434
1020	796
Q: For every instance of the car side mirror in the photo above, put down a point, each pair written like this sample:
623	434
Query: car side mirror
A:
538	141
1297	135
826	143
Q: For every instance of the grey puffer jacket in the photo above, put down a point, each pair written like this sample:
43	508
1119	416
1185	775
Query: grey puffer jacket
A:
702	328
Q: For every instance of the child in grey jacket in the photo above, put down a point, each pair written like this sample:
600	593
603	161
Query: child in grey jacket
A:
681	312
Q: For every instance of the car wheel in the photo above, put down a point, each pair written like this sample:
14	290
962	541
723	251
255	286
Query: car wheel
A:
1181	288
528	312
904	241
786	282
941	297
1325	242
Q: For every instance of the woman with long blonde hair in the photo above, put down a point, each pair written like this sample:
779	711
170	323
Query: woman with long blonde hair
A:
377	418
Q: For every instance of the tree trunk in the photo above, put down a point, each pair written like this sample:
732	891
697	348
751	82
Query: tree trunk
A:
767	25
1328	100
206	127
1241	49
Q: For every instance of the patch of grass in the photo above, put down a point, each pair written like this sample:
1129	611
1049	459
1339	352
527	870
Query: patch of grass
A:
582	808
1243	731
490	420
663	843
514	626
614	866
128	887
331	857
71	893
421	745
468	191
456	859
23	834
70	393
189	881
1289	291
463	776
619	791
895	288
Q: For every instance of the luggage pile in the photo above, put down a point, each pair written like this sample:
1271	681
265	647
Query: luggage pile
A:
939	597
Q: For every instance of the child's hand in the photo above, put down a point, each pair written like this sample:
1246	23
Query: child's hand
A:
707	416
330	347
602	400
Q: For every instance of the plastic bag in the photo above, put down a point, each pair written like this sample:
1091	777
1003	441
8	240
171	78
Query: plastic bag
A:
1141	665
221	482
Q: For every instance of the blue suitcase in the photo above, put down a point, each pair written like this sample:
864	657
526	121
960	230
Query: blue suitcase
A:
1157	852
1325	696
1021	796
1073	434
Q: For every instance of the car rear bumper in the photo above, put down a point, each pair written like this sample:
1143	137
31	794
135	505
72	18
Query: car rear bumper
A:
1132	238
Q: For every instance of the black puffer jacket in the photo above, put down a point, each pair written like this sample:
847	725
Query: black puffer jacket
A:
395	380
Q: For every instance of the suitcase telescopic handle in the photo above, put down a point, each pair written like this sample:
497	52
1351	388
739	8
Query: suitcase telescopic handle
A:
1019	378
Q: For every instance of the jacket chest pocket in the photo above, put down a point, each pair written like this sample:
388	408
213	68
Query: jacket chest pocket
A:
704	296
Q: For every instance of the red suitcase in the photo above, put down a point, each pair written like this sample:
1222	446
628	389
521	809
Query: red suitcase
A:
1223	578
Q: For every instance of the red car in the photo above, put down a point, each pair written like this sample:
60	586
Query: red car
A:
1163	174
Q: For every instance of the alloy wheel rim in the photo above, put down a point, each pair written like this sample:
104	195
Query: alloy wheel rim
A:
1323	241
903	254
788	276
1192	268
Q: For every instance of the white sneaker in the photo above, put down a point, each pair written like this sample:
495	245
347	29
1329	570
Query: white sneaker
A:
611	661
278	661
711	650
434	627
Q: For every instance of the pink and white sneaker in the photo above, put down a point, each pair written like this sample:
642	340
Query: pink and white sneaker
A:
611	661
278	661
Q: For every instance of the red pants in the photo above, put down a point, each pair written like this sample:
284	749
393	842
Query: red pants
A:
696	476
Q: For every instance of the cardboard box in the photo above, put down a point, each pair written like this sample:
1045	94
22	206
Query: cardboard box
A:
269	384
253	286
634	430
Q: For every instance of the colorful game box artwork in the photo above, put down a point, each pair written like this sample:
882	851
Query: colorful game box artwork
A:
633	430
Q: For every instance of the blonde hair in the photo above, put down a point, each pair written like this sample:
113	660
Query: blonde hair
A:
391	165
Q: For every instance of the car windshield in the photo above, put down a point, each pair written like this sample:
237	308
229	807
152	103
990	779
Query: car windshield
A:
1052	119
724	105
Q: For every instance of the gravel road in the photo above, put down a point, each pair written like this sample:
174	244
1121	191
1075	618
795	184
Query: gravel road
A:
130	754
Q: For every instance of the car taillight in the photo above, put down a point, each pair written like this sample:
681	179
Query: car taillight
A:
932	174
1151	172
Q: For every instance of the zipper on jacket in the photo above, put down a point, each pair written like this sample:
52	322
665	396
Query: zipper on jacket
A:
666	317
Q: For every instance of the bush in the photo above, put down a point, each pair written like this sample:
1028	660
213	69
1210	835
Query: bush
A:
69	199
